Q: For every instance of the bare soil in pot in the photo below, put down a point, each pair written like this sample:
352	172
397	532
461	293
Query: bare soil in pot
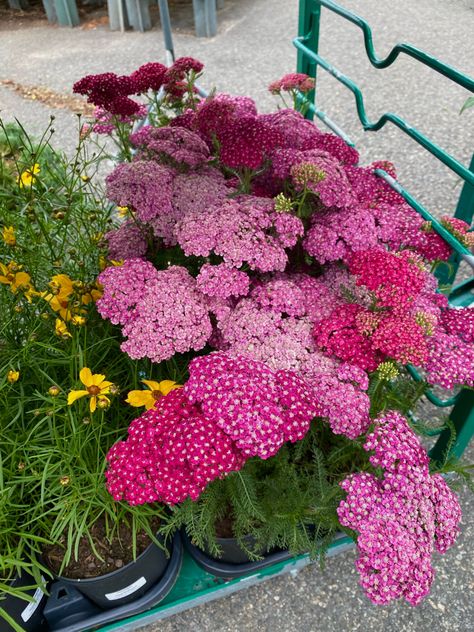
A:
116	554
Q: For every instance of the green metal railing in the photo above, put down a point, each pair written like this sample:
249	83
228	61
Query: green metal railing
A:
309	60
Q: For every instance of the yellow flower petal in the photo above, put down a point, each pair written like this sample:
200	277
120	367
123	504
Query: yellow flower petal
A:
73	395
21	279
93	403
166	386
97	379
141	398
152	385
85	376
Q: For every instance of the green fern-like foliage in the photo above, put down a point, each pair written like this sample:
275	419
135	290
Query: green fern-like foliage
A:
286	502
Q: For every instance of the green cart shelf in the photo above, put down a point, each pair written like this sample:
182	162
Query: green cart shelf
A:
195	586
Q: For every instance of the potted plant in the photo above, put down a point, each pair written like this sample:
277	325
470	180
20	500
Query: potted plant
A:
49	329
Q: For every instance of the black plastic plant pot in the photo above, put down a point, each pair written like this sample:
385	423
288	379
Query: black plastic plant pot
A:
27	614
69	610
126	584
231	570
232	553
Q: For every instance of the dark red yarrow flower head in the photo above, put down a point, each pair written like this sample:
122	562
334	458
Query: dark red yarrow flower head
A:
104	88
149	77
181	67
123	106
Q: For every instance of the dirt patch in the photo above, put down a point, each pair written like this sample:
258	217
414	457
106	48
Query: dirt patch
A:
224	528
115	554
49	97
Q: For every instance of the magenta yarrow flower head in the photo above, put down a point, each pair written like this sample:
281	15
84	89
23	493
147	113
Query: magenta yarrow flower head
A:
335	234
222	281
245	229
180	68
217	113
342	401
294	131
171	317
343	334
396	279
126	242
460	322
175	144
259	409
144	185
243	139
246	143
450	361
104	88
172	453
319	172
370	188
110	92
401	517
123	288
393	442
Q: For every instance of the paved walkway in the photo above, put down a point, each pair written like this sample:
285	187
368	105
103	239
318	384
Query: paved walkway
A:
252	48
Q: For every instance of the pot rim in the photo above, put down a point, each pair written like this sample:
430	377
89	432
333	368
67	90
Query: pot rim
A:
117	571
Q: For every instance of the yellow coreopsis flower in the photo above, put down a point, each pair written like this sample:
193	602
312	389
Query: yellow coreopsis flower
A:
78	320
148	398
96	388
61	329
123	211
13	276
27	177
8	235
13	376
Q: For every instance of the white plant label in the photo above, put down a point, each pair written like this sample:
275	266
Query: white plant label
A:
128	590
30	609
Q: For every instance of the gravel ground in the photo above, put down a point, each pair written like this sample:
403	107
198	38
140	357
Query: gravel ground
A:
252	48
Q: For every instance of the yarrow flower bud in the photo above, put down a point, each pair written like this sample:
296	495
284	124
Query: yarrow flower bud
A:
283	204
305	173
387	371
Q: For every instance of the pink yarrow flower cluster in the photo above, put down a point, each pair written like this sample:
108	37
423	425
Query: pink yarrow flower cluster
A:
222	281
400	517
397	324
244	229
172	453
259	409
179	146
161	311
128	241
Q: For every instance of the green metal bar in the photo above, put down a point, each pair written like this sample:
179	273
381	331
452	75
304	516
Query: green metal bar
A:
462	416
464	252
309	22
464	211
462	295
417	136
434	399
307	42
428	60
